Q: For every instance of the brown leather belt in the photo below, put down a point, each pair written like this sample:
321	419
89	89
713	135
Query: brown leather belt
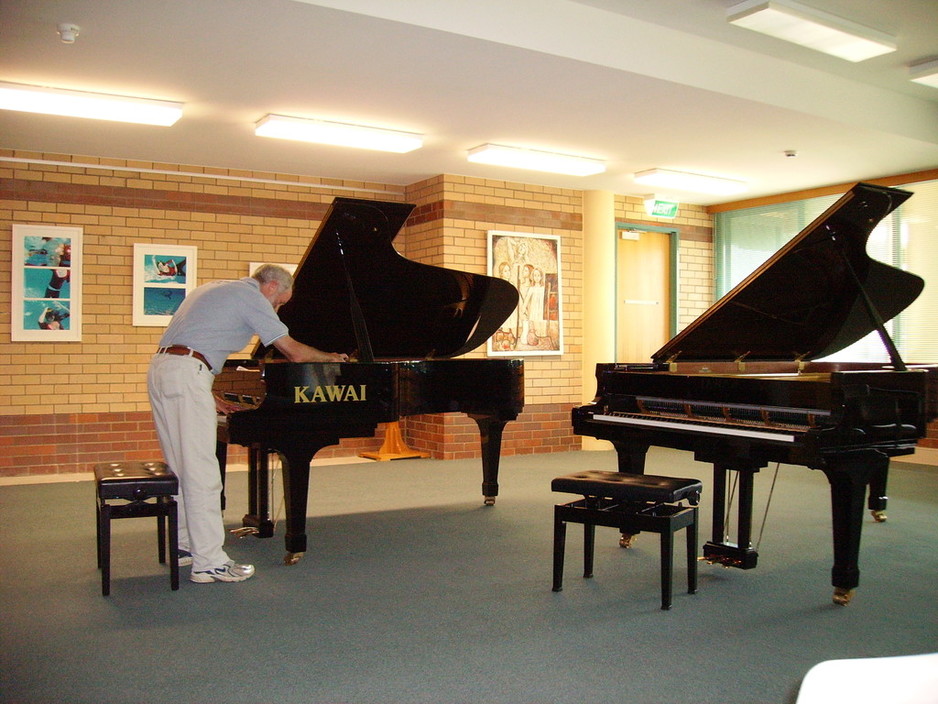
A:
181	351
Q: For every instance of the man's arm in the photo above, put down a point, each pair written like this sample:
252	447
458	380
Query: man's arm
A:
296	351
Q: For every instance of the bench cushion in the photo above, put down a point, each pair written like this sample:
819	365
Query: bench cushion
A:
134	481
629	487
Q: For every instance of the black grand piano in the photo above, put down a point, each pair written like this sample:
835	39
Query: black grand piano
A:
401	322
739	389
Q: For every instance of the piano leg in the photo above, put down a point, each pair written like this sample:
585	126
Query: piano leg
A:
877	498
631	456
741	554
221	452
257	520
849	475
296	459
490	432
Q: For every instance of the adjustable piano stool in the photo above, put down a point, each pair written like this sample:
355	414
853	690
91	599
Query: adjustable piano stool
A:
631	503
133	485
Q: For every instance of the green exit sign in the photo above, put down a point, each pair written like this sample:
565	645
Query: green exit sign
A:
664	209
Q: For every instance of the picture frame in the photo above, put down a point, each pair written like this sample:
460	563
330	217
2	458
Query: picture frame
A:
163	276
530	262
46	283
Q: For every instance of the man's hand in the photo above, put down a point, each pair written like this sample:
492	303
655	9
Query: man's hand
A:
224	407
296	351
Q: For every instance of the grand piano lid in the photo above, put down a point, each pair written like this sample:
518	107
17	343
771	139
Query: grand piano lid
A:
804	302
411	310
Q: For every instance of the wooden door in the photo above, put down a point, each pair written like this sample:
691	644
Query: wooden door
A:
643	302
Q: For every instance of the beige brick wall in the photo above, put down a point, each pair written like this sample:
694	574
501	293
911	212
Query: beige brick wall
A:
236	217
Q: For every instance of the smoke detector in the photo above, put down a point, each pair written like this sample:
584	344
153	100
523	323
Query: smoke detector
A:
68	32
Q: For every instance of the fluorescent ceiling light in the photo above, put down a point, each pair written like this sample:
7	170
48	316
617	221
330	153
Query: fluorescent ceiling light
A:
97	106
535	160
684	181
925	73
338	134
800	24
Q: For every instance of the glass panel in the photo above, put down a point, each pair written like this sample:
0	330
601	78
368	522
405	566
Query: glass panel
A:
907	239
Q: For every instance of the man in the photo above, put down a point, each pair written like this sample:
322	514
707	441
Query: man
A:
213	321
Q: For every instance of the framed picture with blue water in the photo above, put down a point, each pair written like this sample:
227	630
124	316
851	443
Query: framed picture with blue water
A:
163	276
46	284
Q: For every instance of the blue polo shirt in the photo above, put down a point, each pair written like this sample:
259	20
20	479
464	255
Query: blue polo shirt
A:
221	317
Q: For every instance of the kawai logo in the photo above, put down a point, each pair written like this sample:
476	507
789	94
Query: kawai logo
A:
338	393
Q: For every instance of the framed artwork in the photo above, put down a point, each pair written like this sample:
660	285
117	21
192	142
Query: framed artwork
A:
532	264
163	277
46	284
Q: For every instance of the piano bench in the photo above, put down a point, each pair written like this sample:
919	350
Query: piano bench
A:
132	490
631	503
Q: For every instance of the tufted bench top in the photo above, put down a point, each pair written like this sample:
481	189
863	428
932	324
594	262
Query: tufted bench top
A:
134	481
629	487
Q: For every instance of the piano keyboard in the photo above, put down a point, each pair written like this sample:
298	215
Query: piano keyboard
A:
696	427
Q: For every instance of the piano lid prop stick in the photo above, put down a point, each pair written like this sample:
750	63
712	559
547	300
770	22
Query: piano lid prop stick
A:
365	352
871	310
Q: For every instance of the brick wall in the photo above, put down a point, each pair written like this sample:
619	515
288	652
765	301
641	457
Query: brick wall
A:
66	405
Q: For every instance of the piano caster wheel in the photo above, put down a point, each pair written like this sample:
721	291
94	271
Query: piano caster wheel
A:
489	501
843	596
291	558
244	532
879	516
626	540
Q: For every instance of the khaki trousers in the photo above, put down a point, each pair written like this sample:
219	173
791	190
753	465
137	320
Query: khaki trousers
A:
180	390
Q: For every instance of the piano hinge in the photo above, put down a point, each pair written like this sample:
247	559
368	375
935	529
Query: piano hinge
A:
672	362
740	362
799	361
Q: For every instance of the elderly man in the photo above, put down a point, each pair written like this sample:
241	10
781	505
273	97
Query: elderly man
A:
213	321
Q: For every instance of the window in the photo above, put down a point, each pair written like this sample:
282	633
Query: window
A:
906	239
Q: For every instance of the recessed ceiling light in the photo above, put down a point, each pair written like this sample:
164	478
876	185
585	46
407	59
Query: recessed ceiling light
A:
925	72
815	29
685	181
338	134
535	160
97	106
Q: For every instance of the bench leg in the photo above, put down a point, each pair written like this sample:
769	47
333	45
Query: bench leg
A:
104	547
161	537
97	529
691	531
173	543
667	567
560	539
589	547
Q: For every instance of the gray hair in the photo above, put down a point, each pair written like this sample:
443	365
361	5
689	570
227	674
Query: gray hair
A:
267	273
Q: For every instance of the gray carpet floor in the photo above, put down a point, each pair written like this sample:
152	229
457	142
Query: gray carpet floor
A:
412	591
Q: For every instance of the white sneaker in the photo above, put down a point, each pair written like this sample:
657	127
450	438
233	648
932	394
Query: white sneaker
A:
229	572
183	558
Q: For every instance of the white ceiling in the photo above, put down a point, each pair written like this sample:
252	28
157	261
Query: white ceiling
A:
639	83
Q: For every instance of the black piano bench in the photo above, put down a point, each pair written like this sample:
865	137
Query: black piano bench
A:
132	490
631	503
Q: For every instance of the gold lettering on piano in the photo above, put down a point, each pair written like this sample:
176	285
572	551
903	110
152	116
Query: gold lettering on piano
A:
336	393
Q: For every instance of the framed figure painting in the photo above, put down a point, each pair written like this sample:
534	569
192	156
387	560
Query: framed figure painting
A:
163	277
46	284
531	263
